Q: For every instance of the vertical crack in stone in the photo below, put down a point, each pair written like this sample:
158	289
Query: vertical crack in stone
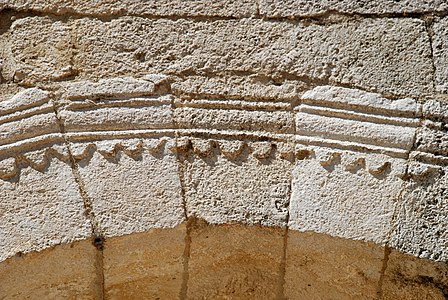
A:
387	252
189	221
88	203
428	26
98	238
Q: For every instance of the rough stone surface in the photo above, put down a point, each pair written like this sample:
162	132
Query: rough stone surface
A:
146	265
345	192
303	8
245	266
421	223
62	272
440	50
40	209
256	189
221	8
408	277
349	53
147	193
307	116
323	267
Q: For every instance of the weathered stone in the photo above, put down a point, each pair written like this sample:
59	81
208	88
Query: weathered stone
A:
440	50
256	189
133	184
409	278
340	189
40	209
235	261
349	53
306	8
221	8
421	223
146	265
43	50
63	272
238	88
323	267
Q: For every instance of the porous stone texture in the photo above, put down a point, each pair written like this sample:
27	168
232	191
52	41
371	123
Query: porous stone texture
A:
349	53
132	182
305	8
62	272
246	266
207	8
349	193
274	121
440	50
131	189
145	265
323	267
421	225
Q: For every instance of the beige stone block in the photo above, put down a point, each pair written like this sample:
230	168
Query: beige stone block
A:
319	266
133	183
221	8
303	8
40	204
147	265
253	87
421	223
63	272
236	262
42	50
351	148
228	181
410	278
352	52
440	50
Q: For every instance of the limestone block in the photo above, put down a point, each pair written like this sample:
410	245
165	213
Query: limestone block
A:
306	8
351	149
238	87
349	53
42	50
235	115
146	265
221	8
41	205
345	194
28	114
133	183
234	261
229	181
440	50
119	129
409	278
322	267
421	221
63	272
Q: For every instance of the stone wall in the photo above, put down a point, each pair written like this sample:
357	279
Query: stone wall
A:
303	122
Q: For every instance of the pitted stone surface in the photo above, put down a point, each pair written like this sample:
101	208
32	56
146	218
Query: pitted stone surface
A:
349	53
256	189
440	50
123	118
303	8
207	8
41	209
